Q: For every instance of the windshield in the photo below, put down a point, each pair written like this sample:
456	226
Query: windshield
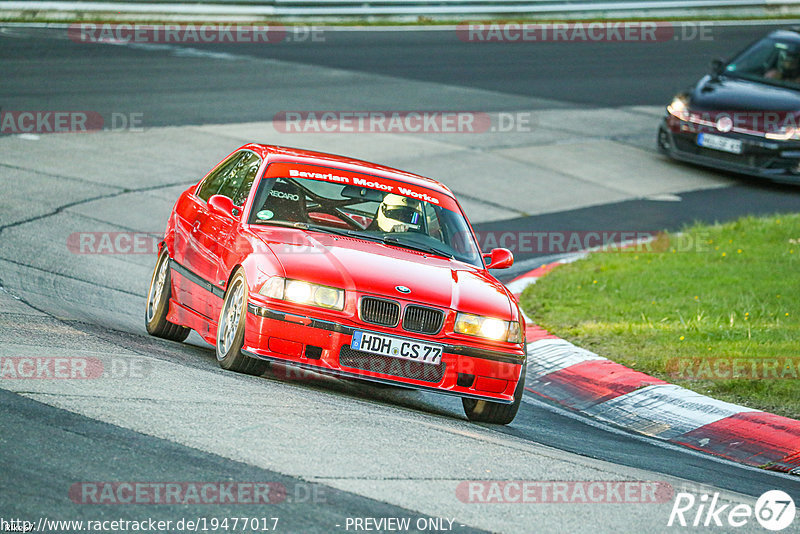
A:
769	60
367	213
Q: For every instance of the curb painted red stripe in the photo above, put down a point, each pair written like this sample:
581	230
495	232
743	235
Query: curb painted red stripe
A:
535	333
790	464
539	271
589	383
754	438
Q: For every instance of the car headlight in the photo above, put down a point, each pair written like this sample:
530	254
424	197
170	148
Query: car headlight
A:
301	292
488	328
679	107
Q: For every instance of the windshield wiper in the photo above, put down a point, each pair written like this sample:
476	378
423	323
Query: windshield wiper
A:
394	240
307	226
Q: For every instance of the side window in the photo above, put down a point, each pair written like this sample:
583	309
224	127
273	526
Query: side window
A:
241	179
434	225
215	181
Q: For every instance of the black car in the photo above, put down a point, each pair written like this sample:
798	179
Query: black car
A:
745	115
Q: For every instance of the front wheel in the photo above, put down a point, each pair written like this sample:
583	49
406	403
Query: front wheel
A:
482	411
663	141
155	315
230	330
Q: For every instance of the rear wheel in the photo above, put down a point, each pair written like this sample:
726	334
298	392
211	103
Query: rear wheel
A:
230	330
155	315
482	411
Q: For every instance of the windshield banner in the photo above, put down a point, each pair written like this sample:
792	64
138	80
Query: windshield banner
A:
369	181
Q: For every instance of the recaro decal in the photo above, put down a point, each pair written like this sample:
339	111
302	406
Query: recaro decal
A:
281	194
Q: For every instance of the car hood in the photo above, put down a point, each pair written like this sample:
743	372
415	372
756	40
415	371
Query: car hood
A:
377	269
734	94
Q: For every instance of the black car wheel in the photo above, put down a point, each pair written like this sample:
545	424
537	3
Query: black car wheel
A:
481	411
663	142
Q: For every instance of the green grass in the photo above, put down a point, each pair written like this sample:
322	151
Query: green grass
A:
725	292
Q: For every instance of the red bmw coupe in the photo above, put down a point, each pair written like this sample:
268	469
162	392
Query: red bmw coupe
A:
342	267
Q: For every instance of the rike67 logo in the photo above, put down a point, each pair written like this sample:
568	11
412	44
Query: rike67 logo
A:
774	510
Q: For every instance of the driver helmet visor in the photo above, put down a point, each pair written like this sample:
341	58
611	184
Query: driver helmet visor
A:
403	214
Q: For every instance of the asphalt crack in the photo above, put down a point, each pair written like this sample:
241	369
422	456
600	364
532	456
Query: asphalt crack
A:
61	208
62	275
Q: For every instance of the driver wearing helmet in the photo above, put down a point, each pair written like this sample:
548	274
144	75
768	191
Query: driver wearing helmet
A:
399	214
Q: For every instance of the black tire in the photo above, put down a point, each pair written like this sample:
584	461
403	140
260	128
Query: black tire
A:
663	141
230	330
481	411
158	295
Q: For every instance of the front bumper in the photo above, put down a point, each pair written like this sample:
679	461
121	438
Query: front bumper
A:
323	345
764	158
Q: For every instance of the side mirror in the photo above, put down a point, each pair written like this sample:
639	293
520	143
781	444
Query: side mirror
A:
717	67
500	258
221	205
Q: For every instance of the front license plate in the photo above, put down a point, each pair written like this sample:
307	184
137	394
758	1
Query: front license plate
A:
396	347
717	142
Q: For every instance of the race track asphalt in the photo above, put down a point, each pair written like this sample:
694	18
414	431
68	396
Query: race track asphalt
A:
375	452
